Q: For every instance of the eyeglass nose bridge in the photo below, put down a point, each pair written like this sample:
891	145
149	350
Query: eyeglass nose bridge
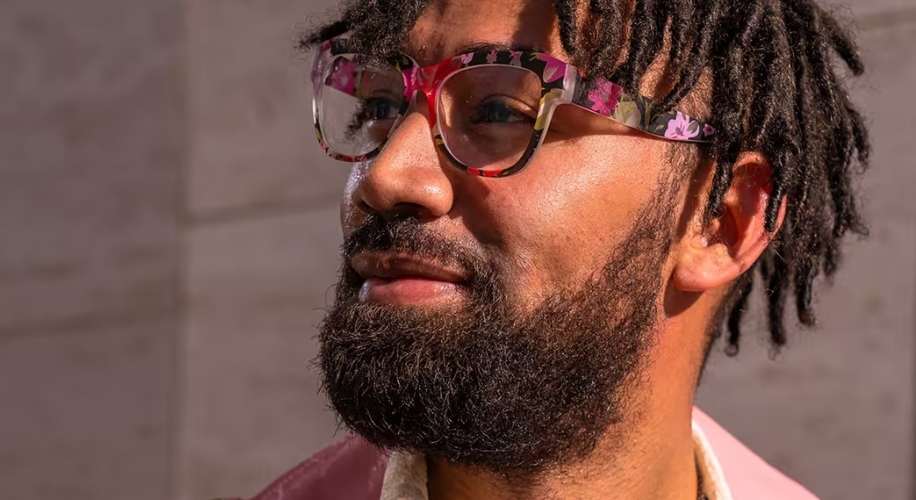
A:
422	80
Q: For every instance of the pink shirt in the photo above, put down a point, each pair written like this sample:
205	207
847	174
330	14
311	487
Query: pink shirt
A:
354	470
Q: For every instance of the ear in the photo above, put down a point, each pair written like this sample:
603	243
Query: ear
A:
711	255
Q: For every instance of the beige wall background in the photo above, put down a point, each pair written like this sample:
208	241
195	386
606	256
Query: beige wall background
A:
169	234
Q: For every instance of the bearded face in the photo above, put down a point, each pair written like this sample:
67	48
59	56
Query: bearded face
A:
489	380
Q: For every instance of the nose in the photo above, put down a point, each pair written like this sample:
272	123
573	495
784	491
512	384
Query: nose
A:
406	178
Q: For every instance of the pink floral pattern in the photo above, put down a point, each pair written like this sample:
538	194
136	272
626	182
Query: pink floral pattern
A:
554	70
343	76
682	128
605	97
515	58
410	81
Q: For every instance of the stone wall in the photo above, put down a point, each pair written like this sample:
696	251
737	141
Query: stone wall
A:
92	155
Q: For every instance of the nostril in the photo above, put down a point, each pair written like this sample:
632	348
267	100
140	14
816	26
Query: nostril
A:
412	211
364	207
404	210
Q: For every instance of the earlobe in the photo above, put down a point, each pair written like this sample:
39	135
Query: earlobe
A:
714	254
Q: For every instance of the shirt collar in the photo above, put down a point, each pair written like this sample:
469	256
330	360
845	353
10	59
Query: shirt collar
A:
405	477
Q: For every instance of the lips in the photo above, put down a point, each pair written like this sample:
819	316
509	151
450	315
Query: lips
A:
397	278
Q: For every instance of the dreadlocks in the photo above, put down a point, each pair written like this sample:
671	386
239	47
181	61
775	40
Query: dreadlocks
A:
774	90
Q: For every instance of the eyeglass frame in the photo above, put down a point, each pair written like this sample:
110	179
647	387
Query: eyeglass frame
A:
561	83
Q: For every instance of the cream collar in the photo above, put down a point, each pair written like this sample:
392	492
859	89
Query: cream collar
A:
405	477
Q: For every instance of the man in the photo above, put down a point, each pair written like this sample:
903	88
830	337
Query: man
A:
552	209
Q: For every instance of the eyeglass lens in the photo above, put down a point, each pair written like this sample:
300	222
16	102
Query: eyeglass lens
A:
486	113
358	105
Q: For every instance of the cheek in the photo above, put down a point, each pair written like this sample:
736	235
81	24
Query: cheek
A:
561	217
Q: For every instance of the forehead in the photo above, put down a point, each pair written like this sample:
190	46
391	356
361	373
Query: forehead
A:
450	27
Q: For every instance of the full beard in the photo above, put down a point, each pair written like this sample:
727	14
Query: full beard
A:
494	385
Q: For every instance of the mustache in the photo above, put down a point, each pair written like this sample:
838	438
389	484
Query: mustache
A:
409	235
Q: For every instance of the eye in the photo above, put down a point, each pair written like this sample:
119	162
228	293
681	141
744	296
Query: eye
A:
373	110
496	111
375	115
379	108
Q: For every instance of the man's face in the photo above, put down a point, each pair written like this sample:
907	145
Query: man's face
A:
550	226
498	322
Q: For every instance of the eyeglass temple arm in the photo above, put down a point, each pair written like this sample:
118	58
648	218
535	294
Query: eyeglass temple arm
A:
608	99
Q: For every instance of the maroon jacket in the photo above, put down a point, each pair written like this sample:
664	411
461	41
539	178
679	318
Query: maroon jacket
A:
350	469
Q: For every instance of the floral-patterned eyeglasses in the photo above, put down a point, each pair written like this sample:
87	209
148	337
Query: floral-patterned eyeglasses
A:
488	111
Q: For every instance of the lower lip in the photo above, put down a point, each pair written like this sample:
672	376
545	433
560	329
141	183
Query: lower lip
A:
407	291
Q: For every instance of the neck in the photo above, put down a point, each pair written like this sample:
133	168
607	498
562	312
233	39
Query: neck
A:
654	459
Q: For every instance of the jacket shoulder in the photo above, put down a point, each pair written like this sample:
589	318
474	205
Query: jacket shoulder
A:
350	469
747	475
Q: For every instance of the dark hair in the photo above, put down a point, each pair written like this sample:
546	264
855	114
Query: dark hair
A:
774	90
